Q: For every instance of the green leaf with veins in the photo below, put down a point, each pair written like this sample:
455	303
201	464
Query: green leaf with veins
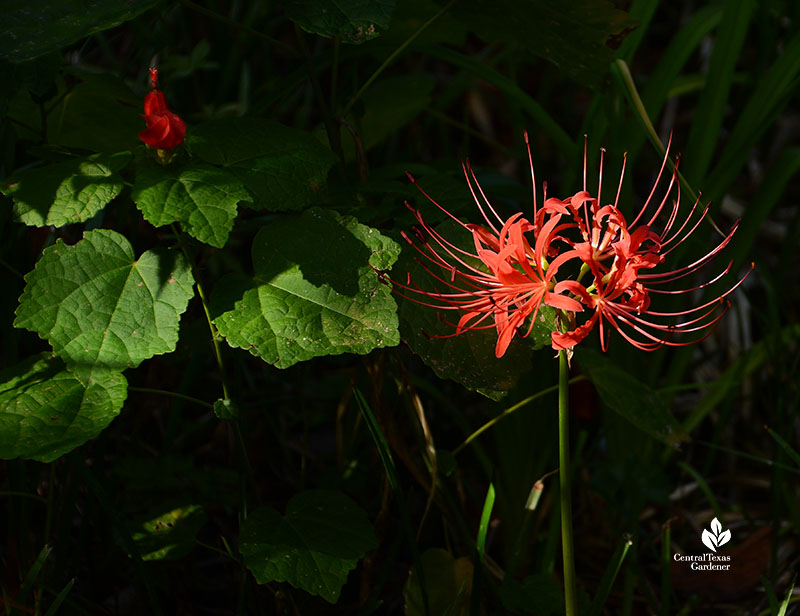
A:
313	547
101	309
66	192
46	412
314	291
355	21
201	197
284	168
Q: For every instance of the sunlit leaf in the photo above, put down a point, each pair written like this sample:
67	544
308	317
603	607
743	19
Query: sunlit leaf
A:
102	309
170	535
66	192
202	198
314	291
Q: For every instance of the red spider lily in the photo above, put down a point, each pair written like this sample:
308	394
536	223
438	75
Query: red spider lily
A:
506	279
165	130
620	257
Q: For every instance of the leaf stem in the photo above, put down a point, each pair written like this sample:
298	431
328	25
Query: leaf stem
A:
174	394
510	410
565	481
394	55
201	294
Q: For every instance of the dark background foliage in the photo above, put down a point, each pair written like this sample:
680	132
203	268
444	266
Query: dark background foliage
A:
663	442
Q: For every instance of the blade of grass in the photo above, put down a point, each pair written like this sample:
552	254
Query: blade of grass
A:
787	599
770	95
784	445
388	464
710	112
666	571
642	10
701	483
483	528
678	51
609	576
747	456
33	573
745	365
513	91
771	598
772	187
53	609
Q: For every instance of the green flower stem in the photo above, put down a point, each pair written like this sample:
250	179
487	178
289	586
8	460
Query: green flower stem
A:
214	333
510	410
564	474
174	394
394	55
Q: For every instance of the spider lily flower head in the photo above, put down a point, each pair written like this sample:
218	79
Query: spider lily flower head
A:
623	258
505	279
512	270
165	130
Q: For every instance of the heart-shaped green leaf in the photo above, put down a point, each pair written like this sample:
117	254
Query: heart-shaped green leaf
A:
101	309
314	291
201	197
66	192
313	547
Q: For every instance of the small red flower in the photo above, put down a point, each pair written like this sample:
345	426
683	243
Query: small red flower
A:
165	129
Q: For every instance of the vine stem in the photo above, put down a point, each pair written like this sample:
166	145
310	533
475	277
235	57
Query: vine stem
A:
211	327
565	478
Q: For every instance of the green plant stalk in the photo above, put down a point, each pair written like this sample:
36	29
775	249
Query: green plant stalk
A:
201	294
565	483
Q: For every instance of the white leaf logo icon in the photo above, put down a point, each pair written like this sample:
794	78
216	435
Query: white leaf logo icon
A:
716	537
